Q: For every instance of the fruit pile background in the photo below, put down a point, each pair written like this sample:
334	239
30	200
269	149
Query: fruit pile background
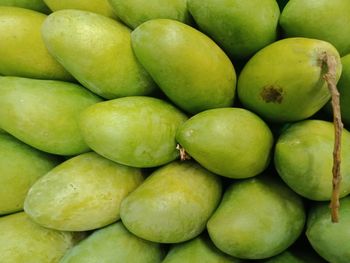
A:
172	131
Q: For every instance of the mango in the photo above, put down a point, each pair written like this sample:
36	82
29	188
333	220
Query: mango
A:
20	166
173	204
22	50
116	244
240	27
22	240
186	64
82	193
257	218
295	257
96	50
36	5
135	12
44	113
136	131
284	82
197	250
231	142
304	159
97	6
321	19
331	241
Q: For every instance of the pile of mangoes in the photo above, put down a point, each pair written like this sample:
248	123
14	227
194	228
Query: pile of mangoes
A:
145	131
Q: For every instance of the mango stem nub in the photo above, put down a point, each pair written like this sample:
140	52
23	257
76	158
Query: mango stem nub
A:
183	154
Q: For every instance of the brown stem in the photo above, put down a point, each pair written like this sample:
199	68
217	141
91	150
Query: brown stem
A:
183	154
330	78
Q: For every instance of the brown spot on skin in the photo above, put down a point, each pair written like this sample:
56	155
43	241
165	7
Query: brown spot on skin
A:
272	94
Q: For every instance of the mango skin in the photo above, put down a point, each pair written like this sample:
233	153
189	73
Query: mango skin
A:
82	193
36	5
283	82
135	12
256	219
289	256
230	142
22	50
136	131
22	240
304	159
320	19
193	71
240	27
44	113
114	244
105	63
330	240
173	204
20	166
97	6
197	250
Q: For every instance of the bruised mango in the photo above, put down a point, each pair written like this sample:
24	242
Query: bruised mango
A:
44	113
96	50
173	204
82	193
187	65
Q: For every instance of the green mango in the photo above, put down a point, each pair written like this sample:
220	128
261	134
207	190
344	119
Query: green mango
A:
97	6
304	159
22	240
173	204
284	82
186	64
96	50
240	27
197	250
36	5
136	131
231	142
20	166
82	193
330	240
295	256
258	218
135	12
22	50
114	244
320	19
43	113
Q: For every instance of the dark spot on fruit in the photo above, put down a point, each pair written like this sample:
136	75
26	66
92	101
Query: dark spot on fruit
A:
272	94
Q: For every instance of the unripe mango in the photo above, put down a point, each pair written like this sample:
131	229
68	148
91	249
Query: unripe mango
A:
44	113
22	50
96	50
36	5
82	193
187	65
173	204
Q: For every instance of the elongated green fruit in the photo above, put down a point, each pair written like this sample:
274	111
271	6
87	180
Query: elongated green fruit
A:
36	5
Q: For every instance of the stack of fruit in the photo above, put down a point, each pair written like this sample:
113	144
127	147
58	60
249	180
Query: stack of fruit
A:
174	131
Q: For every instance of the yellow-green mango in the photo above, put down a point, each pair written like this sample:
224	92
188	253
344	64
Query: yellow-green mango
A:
22	50
304	159
135	12
114	244
284	82
231	142
197	250
240	27
44	113
96	50
330	240
97	6
173	204
136	131
22	240
82	193
20	166
320	19
36	5
186	64
257	218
